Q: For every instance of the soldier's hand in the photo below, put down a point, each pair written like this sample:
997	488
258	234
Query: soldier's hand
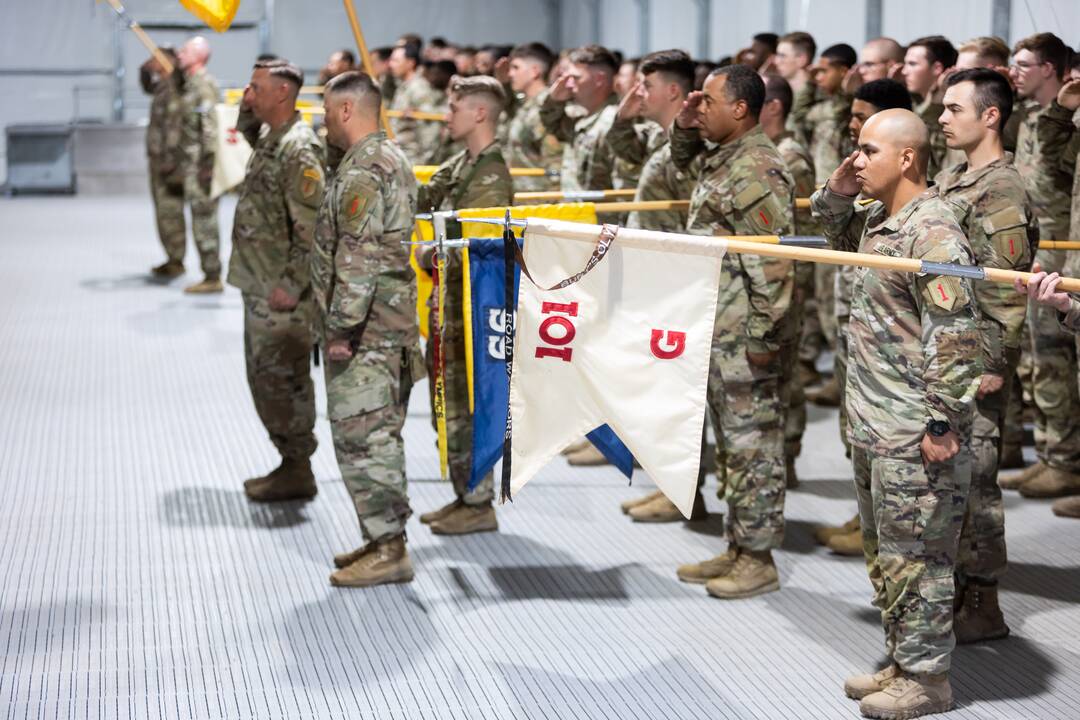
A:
1069	95
843	179
560	89
852	81
688	116
281	301
940	449
502	70
1042	288
989	384
338	350
761	359
896	72
768	67
630	107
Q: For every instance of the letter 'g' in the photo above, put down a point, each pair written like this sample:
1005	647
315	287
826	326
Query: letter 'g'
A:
676	344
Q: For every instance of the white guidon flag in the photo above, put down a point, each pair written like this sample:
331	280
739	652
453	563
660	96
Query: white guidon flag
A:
628	344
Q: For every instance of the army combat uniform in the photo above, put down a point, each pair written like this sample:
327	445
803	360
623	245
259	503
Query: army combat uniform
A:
660	178
744	188
914	357
199	139
529	145
163	151
417	138
462	182
365	293
273	231
588	163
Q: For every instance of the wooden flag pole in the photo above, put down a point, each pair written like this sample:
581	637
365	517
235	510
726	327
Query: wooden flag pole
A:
366	60
149	44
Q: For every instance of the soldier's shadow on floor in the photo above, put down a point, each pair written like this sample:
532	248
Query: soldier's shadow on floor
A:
215	507
838	488
124	282
1046	581
1011	669
799	538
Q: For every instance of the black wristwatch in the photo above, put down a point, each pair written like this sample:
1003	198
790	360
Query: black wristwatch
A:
937	428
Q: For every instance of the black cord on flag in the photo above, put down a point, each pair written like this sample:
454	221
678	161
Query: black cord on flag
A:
510	252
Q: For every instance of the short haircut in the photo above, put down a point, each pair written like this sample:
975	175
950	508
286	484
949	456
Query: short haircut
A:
702	70
886	94
777	88
347	56
1049	48
767	39
438	42
938	49
675	64
283	70
411	39
891	49
802	41
535	51
482	85
841	54
743	83
261	57
595	56
383	53
359	86
412	52
987	49
991	90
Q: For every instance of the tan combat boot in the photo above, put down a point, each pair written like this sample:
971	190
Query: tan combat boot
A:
1067	507
754	573
662	510
822	533
430	517
575	447
909	696
702	572
979	618
344	560
828	395
466	520
205	287
587	456
292	480
168	269
1051	483
1013	481
808	373
848	544
385	562
860	686
627	505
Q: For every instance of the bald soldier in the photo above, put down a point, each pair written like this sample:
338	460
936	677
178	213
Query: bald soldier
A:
365	294
476	177
198	135
273	230
910	398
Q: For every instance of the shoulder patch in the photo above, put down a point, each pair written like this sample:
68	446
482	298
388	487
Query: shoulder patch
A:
944	292
310	178
356	205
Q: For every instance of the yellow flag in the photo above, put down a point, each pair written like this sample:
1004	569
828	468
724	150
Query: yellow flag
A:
218	14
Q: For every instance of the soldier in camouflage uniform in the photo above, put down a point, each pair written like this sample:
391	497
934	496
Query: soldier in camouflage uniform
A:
162	149
528	143
744	188
926	64
1039	63
988	197
476	177
588	163
915	365
366	299
414	92
198	136
271	265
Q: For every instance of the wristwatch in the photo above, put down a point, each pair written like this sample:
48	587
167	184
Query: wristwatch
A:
937	428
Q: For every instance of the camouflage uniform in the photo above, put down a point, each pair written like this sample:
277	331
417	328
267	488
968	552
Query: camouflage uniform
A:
588	163
660	178
366	294
744	188
529	145
929	109
993	209
461	182
271	247
199	139
1054	367
166	175
1071	320
417	138
915	357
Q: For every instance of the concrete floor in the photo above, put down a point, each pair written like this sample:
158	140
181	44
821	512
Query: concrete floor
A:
137	582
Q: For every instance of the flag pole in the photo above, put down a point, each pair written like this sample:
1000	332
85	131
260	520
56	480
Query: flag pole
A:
149	44
366	59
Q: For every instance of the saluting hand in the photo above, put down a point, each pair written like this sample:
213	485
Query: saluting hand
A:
852	81
560	89
843	179
688	116
630	107
1069	95
502	70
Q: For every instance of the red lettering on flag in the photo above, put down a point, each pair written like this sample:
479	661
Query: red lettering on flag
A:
676	342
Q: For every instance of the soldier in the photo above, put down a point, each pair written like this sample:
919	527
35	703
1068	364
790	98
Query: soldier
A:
988	197
1039	64
881	58
528	143
271	265
926	64
199	143
366	299
911	475
794	55
476	177
821	111
743	188
413	93
380	63
162	152
588	163
341	61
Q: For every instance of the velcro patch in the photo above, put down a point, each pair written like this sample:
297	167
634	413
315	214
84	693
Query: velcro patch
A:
309	181
944	292
885	249
356	205
1010	244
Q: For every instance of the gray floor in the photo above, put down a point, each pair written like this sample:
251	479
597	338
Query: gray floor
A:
138	583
